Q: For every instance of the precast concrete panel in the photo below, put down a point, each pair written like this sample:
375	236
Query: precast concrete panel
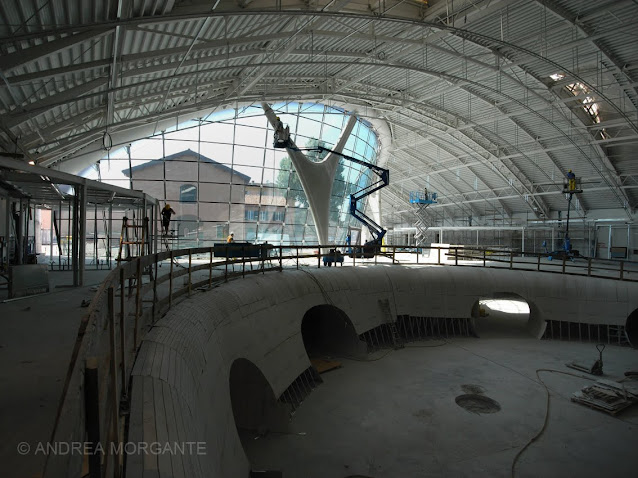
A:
181	375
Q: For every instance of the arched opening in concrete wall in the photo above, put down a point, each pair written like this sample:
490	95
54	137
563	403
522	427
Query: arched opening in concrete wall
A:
502	314
255	408
327	331
631	327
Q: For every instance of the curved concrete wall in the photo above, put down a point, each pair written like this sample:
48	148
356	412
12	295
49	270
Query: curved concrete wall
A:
180	388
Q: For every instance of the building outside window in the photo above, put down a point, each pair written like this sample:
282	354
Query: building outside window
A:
188	193
222	175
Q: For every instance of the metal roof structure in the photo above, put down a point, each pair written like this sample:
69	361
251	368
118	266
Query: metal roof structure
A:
45	186
488	102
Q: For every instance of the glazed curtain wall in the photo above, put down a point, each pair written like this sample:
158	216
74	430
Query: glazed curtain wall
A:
221	174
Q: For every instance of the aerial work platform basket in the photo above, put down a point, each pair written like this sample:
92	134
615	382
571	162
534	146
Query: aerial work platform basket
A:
422	197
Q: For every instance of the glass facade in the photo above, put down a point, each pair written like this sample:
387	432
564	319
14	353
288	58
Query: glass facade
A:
221	174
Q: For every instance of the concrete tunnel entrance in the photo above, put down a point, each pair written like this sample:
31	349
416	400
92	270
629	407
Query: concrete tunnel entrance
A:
503	314
255	408
327	331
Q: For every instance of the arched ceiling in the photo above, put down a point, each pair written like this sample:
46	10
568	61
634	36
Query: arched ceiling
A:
488	103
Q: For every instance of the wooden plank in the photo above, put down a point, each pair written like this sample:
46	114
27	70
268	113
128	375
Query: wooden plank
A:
323	366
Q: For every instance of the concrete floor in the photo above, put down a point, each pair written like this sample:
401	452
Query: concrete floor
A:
37	336
396	415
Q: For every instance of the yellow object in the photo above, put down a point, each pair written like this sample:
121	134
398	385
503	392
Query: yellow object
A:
168	206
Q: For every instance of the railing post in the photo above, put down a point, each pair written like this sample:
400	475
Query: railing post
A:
589	266
122	339
243	261
438	250
154	311
115	408
170	283
417	254
92	414
564	260
456	256
226	271
122	289
281	253
511	259
622	269
297	257
190	262
538	263
210	269
484	252
319	258
394	253
138	305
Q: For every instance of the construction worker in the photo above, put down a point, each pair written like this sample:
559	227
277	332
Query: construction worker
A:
572	180
167	212
230	238
282	135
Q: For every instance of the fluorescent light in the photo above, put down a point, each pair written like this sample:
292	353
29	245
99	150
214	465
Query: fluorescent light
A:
32	163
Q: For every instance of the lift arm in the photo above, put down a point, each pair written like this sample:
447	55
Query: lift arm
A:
375	229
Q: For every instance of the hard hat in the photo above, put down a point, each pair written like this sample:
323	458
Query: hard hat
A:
167	206
277	117
232	233
570	171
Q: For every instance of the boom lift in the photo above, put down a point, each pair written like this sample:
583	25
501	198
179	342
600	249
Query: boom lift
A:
371	247
570	187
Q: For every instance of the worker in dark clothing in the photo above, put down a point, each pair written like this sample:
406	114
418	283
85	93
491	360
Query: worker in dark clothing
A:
571	177
282	135
167	212
230	238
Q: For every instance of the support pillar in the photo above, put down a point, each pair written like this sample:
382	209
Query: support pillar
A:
75	237
82	235
316	178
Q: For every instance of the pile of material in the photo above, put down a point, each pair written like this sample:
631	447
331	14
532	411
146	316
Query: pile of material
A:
608	396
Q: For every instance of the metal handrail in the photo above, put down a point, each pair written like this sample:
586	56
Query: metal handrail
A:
95	395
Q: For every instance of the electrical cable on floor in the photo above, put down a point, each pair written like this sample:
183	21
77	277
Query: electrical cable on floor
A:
542	430
546	419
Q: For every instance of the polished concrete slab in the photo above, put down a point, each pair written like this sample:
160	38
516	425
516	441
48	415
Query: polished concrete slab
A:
396	415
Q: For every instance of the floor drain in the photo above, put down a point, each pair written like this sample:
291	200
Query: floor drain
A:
478	403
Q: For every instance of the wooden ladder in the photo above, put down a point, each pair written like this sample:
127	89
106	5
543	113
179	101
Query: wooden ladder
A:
143	244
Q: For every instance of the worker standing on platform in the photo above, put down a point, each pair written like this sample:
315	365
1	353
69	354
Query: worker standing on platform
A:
167	212
572	180
282	135
230	238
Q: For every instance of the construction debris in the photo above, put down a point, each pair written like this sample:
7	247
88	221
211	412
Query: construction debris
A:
607	395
